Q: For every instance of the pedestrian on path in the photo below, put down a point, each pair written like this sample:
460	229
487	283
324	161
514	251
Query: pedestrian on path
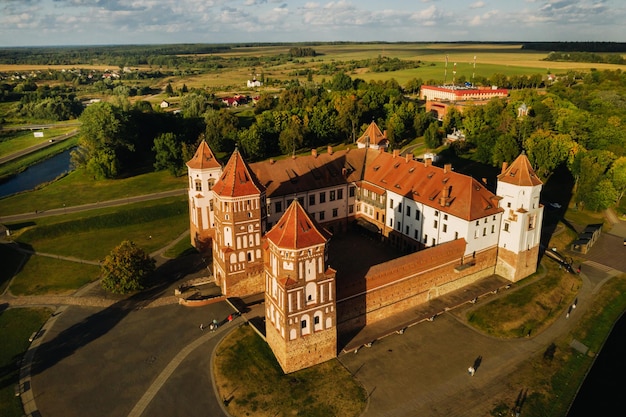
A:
201	326
471	371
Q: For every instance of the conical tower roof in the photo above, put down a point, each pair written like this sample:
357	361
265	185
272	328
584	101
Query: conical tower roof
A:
296	230
237	179
203	158
520	172
372	135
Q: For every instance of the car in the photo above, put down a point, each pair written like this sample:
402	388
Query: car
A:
555	205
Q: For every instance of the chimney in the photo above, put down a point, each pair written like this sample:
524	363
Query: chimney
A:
428	162
314	153
484	180
272	161
396	152
445	196
409	157
505	165
447	168
330	150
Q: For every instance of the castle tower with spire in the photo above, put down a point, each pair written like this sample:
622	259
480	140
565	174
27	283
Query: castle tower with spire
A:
520	234
240	223
203	170
299	292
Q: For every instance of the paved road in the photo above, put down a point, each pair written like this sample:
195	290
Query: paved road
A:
37	147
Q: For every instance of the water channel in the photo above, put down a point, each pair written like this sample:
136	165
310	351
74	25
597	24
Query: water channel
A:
37	174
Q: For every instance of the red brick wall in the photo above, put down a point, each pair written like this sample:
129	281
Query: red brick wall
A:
514	266
384	298
304	351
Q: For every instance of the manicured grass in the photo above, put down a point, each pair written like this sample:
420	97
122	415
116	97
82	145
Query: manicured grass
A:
182	247
11	142
45	275
93	234
79	188
250	380
16	326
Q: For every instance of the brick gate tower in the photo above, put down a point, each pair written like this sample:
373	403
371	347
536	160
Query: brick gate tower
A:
520	234
299	292
240	222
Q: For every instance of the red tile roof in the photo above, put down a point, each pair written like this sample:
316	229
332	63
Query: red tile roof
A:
237	179
453	193
305	173
520	172
296	230
203	158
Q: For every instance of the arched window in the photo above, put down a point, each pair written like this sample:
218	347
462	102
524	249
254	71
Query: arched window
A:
317	321
311	292
305	325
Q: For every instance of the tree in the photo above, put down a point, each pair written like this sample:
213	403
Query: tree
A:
506	149
221	129
126	268
546	150
168	153
432	137
102	140
169	90
618	176
341	82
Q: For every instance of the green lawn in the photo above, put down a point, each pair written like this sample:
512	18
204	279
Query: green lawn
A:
79	188
249	378
92	235
14	141
16	326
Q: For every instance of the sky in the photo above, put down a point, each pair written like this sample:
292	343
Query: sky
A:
106	22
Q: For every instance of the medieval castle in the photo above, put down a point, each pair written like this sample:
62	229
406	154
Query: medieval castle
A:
268	225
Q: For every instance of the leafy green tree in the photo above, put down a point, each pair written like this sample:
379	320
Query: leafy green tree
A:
546	150
102	140
341	82
602	197
169	90
291	138
589	168
221	129
193	105
618	176
452	120
126	269
506	149
421	121
432	136
168	153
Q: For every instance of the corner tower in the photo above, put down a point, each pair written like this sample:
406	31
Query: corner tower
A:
240	221
203	170
518	246
300	301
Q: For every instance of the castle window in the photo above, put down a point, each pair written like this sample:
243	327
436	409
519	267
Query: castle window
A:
391	203
390	222
408	210
484	231
435	224
278	206
477	222
436	213
335	212
198	185
407	230
508	205
322	216
493	228
417	214
398	226
445	228
456	235
322	197
332	195
351	208
312	200
211	183
531	222
400	207
445	217
415	235
506	227
340	194
425	239
352	191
